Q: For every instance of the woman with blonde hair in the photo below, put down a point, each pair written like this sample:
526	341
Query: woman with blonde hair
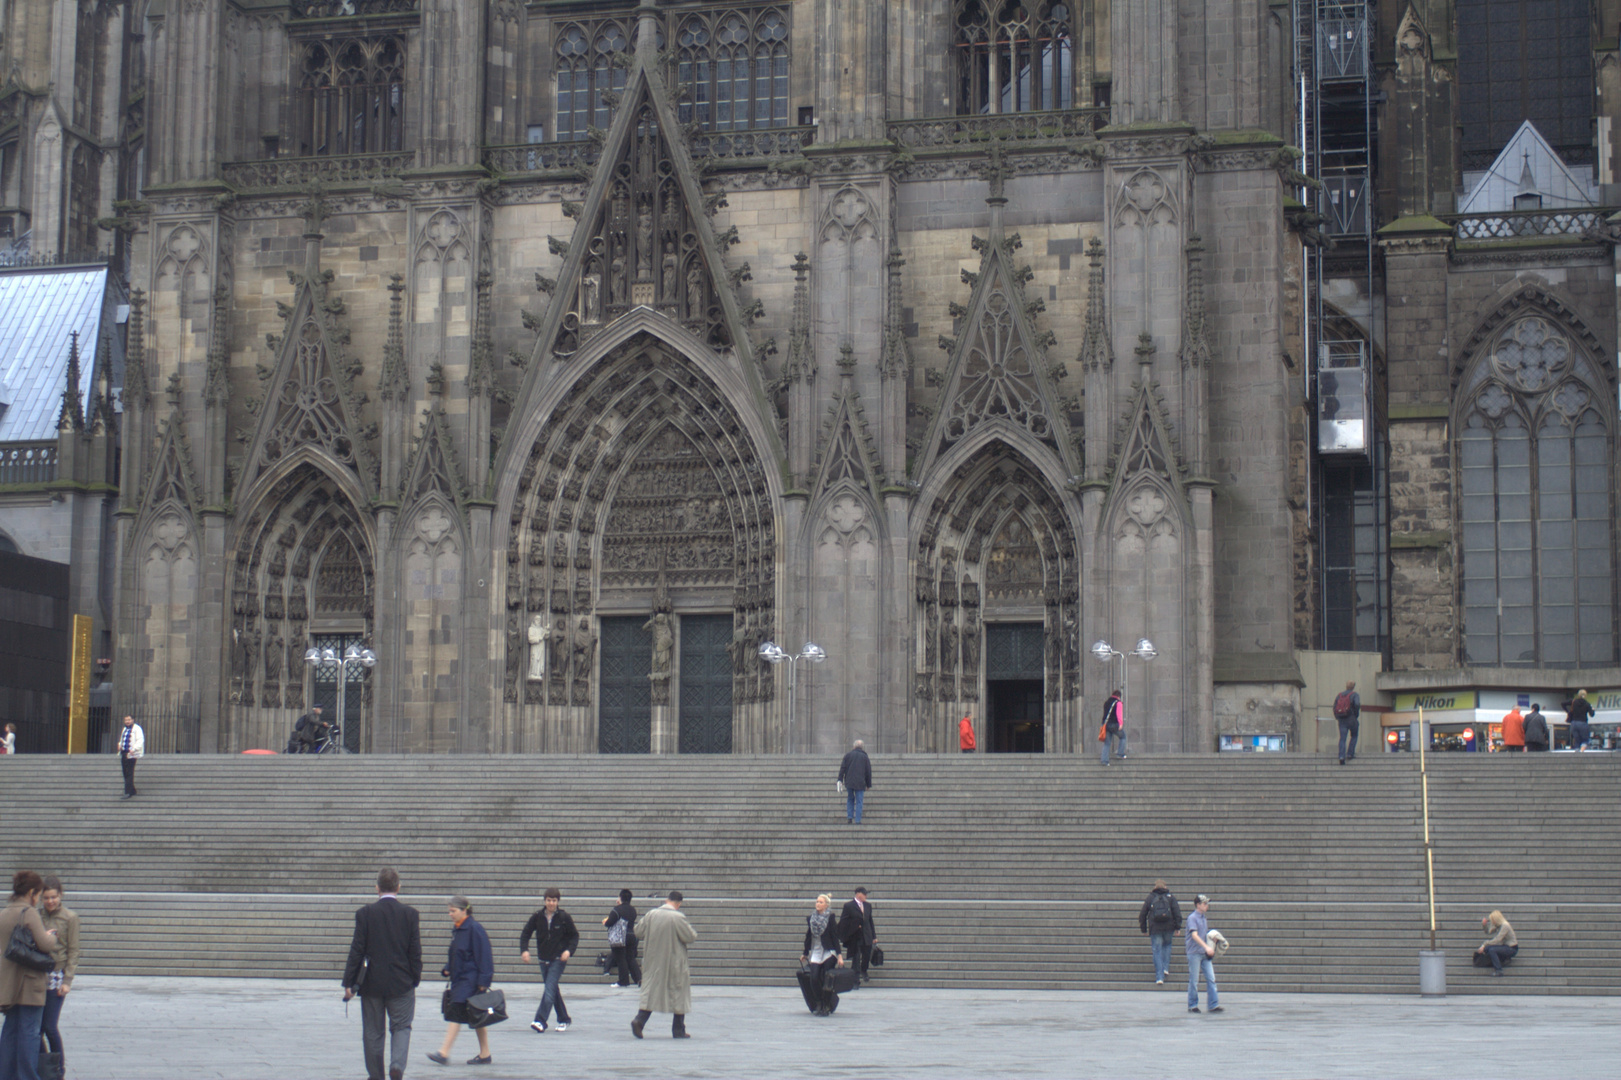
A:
1501	945
1578	717
820	958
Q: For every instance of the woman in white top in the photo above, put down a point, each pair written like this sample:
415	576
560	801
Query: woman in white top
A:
820	957
8	744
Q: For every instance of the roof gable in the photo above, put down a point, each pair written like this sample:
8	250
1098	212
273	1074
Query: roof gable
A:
40	310
1526	152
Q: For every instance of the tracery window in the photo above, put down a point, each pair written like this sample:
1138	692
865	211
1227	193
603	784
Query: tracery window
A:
1015	57
351	96
1535	509
736	63
585	70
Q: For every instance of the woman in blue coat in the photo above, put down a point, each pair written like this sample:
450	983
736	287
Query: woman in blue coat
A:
471	970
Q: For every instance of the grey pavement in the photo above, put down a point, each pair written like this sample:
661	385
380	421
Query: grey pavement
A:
289	1029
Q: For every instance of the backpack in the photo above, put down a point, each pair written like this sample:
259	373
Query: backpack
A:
1159	909
1342	706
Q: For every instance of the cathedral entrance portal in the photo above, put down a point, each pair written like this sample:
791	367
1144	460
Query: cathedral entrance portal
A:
706	684
625	719
1014	688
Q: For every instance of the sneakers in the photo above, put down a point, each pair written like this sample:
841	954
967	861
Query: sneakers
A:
616	986
1217	1009
562	1025
1159	982
1193	1008
538	1028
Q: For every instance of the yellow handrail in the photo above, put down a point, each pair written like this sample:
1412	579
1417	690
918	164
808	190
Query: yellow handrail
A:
1429	852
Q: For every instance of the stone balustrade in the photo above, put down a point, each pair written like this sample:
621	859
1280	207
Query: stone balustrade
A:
946	131
27	462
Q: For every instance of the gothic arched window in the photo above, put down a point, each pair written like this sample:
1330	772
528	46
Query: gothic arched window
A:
736	65
1534	463
585	70
351	97
1015	57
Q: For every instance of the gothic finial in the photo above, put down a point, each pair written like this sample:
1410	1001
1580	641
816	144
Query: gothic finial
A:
799	357
1196	349
100	412
1097	348
847	359
174	390
894	330
480	372
996	172
1145	351
72	417
314	208
395	382
136	388
217	381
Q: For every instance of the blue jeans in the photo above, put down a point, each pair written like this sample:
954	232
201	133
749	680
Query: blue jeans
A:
552	996
47	1025
852	804
19	1043
1119	741
1348	733
1162	954
1195	964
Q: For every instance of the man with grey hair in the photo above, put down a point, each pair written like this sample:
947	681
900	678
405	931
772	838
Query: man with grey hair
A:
855	773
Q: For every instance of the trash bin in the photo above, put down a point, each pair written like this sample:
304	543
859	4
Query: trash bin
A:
1432	972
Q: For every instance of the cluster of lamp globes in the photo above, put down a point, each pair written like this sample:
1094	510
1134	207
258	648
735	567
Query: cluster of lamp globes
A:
1144	651
354	654
772	653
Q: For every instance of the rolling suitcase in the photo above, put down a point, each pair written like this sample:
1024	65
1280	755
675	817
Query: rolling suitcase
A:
805	976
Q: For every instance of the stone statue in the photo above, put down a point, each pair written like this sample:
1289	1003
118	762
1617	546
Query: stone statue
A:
672	274
585	647
644	242
695	292
948	647
590	291
663	644
970	646
271	696
559	644
537	649
616	279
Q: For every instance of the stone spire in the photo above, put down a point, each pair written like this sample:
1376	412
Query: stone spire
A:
1097	362
137	386
217	381
395	381
72	416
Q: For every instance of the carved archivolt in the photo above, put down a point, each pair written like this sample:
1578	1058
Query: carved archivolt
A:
642	473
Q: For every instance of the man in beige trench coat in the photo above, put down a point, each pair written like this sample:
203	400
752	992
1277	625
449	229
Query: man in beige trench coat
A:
666	978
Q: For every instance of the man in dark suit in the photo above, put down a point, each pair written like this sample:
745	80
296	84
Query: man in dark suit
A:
384	968
858	933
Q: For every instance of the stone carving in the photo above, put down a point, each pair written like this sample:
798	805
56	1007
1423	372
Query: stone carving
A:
1532	354
1494	401
972	636
1571	399
1145	198
663	644
537	636
270	697
585	646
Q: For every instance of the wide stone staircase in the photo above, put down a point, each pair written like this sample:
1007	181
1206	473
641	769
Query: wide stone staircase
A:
1010	871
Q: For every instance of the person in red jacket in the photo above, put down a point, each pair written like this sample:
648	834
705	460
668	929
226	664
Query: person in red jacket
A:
1514	731
965	734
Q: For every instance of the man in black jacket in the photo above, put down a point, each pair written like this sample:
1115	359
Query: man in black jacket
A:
1160	919
555	941
855	773
384	968
857	931
1536	729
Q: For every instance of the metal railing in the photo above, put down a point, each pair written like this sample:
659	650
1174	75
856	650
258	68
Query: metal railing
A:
1515	224
333	169
979	128
171	725
27	462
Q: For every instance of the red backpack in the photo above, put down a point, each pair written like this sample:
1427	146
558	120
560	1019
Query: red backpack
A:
1342	706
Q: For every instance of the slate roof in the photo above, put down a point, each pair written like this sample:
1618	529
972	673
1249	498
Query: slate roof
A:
1527	153
39	307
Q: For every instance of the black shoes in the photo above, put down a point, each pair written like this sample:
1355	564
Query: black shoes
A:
438	1059
480	1060
636	1028
679	1035
1217	1009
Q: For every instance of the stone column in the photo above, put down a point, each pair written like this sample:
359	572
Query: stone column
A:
1142	50
450	103
852	52
186	94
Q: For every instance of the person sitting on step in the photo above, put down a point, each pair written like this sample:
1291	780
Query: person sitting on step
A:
1500	946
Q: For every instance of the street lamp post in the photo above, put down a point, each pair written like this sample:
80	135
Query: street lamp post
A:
354	654
772	653
1105	652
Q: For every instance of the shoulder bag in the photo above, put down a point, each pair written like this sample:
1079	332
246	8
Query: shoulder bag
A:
616	933
487	1008
20	950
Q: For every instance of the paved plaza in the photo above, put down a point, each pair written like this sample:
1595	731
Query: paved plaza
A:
283	1029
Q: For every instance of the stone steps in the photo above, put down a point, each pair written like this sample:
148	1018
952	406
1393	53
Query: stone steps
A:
1016	872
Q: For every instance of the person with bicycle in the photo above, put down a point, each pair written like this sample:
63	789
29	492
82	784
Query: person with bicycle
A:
308	733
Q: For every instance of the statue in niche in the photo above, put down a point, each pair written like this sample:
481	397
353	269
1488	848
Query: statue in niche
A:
247	660
621	202
590	291
585	646
948	647
672	273
616	276
970	645
695	292
559	644
644	241
537	648
663	644
271	697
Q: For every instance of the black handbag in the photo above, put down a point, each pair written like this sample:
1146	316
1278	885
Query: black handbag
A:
487	1008
877	957
20	950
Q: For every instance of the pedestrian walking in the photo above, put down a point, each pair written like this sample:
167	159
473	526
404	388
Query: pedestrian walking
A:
131	748
855	773
1348	711
965	734
23	987
621	924
1514	731
471	970
62	921
819	958
1160	918
1113	730
1502	944
858	932
1579	717
385	969
555	941
8	741
666	975
1201	951
1536	729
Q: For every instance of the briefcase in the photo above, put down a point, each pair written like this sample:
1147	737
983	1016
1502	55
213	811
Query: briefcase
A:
877	957
843	980
487	1008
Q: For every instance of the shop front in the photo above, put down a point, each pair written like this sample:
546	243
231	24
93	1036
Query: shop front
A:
1471	721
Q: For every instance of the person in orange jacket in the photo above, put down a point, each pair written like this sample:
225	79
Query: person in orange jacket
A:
965	734
1514	731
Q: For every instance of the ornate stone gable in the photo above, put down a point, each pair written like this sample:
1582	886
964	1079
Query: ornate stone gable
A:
997	371
433	469
847	450
172	479
310	395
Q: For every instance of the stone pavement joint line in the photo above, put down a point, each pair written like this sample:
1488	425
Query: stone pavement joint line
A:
296	1029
